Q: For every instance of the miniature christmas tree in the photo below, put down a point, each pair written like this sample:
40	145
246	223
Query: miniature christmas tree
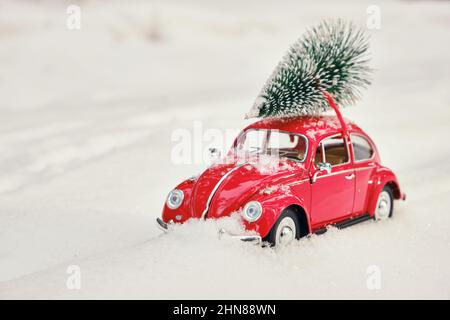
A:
328	62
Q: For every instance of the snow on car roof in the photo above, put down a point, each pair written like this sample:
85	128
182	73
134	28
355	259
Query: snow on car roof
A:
312	126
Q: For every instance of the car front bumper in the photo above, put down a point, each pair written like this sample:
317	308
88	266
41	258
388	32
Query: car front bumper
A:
246	238
163	226
222	232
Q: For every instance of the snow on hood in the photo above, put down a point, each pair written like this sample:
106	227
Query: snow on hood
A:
234	182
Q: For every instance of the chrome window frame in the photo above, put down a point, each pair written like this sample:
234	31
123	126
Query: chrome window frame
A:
268	137
368	141
349	160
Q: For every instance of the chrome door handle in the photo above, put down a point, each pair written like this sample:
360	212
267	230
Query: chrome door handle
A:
350	177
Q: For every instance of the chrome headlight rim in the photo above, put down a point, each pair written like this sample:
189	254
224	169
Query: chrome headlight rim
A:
175	199
252	205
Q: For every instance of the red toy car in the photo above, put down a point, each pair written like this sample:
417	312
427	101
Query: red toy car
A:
321	171
327	175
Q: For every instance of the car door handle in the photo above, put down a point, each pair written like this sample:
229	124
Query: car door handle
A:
350	176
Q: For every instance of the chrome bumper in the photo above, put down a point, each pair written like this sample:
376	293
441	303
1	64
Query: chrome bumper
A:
246	238
163	226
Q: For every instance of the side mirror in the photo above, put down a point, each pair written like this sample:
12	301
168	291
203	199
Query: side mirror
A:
214	153
324	168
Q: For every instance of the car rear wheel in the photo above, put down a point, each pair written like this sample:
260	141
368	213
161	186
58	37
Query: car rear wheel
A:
285	230
385	204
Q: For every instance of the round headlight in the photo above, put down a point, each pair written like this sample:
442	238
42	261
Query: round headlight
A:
252	211
175	199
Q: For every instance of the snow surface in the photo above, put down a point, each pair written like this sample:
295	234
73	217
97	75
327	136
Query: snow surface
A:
86	119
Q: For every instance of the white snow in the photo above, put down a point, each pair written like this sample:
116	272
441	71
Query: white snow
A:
85	149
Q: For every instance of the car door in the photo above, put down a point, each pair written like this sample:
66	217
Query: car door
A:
332	194
364	164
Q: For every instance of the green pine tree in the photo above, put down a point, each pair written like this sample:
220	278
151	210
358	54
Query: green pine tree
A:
331	57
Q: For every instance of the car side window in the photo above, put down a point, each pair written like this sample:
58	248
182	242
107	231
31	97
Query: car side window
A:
362	150
318	158
335	150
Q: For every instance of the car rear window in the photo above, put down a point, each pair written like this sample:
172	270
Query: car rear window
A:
362	150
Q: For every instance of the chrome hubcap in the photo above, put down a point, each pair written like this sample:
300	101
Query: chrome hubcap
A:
383	206
286	232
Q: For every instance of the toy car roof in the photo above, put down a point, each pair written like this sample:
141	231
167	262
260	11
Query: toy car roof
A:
314	127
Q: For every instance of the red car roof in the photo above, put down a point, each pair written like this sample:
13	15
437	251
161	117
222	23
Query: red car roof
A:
314	127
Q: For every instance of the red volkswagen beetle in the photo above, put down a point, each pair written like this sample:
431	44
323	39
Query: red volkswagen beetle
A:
328	173
291	175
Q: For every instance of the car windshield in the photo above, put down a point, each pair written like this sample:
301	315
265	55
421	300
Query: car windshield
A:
273	142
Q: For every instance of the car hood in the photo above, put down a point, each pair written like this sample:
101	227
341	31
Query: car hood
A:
224	188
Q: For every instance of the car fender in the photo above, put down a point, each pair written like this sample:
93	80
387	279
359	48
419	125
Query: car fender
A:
182	213
273	205
382	177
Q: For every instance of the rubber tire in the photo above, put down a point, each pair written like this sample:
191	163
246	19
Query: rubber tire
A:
271	236
388	189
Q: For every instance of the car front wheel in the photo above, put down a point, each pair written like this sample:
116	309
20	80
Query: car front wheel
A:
385	204
285	230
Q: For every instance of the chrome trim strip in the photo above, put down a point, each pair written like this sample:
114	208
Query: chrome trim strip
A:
345	171
297	182
324	158
211	195
246	238
254	239
368	141
322	149
161	225
364	168
335	173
